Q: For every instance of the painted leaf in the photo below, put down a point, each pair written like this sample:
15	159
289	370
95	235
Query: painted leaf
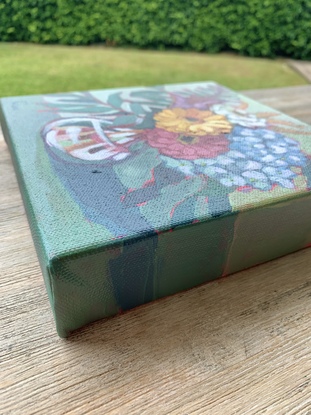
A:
147	123
77	103
137	109
124	120
157	99
115	100
135	171
217	195
161	210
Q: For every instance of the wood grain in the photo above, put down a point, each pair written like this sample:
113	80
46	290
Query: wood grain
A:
294	101
302	67
239	345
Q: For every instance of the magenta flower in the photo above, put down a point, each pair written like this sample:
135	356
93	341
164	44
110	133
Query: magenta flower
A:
182	146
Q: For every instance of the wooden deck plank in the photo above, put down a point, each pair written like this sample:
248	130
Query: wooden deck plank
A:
240	345
294	101
302	67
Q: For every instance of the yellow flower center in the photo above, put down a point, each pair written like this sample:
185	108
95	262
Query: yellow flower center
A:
186	139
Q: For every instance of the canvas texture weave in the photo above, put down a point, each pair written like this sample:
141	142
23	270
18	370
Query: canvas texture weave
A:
134	194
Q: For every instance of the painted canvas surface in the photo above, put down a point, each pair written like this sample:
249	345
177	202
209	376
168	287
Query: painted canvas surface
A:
154	190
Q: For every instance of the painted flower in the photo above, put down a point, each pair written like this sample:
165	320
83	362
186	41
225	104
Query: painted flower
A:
195	101
240	117
192	122
203	97
185	166
235	148
257	159
187	147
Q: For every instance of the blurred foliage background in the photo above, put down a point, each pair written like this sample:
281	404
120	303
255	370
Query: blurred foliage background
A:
251	27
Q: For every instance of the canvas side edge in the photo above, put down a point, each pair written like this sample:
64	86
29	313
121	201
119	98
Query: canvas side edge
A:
42	255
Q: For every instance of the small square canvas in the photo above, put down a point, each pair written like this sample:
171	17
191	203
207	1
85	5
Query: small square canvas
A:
134	194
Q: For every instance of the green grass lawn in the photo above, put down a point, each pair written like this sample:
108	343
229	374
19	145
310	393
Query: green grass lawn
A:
33	69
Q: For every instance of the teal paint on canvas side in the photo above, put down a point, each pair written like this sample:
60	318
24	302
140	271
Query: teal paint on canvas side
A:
34	226
82	290
193	255
267	233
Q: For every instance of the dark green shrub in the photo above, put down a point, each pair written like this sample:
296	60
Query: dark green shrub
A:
252	27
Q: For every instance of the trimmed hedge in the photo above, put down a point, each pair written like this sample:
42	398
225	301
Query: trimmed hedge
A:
252	27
